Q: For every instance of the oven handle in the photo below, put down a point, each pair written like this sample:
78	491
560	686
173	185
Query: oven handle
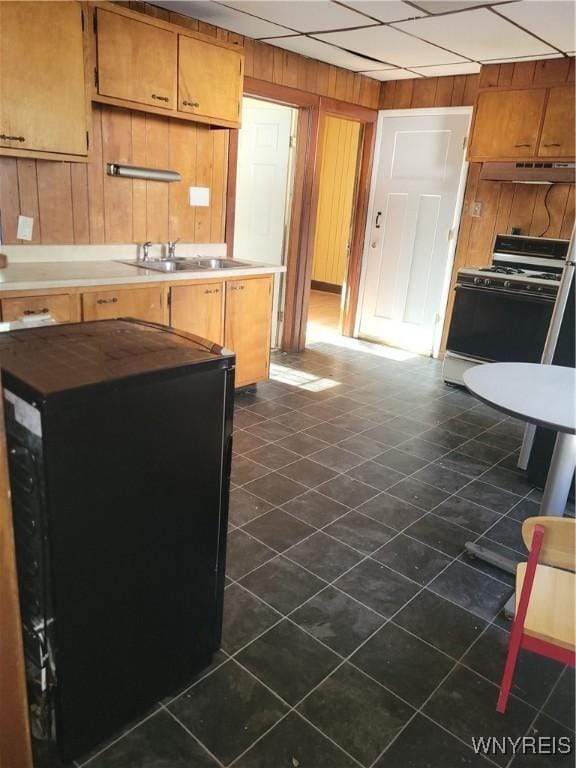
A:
521	294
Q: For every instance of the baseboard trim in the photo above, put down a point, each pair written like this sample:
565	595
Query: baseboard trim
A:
317	285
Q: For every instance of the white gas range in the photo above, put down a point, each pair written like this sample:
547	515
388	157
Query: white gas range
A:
502	312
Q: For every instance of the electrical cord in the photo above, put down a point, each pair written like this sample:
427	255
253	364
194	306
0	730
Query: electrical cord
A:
547	227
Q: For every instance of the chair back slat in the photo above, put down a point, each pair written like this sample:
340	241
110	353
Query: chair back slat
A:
559	545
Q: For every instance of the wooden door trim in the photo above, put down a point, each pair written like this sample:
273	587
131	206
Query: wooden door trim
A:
231	179
282	94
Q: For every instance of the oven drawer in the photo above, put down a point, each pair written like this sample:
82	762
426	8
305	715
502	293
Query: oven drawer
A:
499	325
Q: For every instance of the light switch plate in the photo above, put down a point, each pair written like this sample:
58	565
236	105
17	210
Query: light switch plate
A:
476	209
199	196
25	225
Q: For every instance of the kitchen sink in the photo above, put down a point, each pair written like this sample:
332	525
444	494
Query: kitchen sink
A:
219	263
187	265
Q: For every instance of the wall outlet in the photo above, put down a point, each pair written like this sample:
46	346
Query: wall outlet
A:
25	225
199	197
476	209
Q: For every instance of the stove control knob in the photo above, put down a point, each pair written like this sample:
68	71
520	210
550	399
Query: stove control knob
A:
527	287
507	283
487	281
477	281
540	288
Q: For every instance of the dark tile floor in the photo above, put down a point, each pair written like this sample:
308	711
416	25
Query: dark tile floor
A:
357	632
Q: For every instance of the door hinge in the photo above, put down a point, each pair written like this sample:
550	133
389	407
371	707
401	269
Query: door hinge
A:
280	315
95	77
292	141
450	234
464	142
87	140
169	299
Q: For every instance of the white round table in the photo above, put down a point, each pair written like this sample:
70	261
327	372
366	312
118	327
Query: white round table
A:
544	395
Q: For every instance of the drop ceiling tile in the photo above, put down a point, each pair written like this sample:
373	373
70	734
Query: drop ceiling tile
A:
390	10
467	68
552	21
304	16
391	74
524	58
390	45
324	52
224	17
478	34
447	6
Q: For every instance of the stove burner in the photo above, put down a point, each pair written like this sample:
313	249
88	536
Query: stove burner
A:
503	270
548	276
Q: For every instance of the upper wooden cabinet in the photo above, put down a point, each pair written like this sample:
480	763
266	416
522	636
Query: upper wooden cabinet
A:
147	64
523	124
557	137
209	79
506	124
136	60
43	103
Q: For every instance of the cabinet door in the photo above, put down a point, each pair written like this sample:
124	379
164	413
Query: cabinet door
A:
136	61
209	80
141	303
20	308
42	90
199	309
557	138
507	123
247	327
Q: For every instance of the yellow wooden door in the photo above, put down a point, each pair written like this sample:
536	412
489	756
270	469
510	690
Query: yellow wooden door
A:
199	309
209	79
136	61
338	170
42	90
141	303
557	139
506	124
247	327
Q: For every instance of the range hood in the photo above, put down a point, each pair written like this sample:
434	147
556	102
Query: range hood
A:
529	173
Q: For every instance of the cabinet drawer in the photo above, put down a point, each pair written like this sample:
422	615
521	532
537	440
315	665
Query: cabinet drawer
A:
199	309
141	303
58	306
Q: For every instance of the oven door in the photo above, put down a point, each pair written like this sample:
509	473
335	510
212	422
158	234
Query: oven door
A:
499	325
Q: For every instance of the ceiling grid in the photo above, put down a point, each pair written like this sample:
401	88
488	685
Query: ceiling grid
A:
399	39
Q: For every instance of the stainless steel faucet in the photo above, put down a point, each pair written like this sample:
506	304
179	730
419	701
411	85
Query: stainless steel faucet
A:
145	251
171	246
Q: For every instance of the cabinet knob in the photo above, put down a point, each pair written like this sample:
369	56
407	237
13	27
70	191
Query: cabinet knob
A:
190	103
238	287
42	311
5	137
554	144
160	98
522	145
107	301
213	290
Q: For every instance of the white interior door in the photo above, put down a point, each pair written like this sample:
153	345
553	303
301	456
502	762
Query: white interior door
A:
263	188
416	201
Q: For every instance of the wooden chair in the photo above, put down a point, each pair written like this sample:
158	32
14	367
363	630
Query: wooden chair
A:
545	597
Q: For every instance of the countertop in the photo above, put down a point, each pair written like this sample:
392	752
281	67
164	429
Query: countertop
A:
25	276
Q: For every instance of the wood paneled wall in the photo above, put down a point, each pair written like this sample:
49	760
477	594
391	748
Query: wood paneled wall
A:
457	91
79	203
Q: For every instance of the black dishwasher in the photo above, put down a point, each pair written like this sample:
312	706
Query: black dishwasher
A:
119	439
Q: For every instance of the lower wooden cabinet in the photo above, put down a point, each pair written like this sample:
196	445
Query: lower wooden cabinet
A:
58	306
199	309
247	325
141	303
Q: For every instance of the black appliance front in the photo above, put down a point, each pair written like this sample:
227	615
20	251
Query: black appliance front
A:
136	473
499	325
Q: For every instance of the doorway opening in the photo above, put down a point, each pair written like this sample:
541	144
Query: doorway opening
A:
264	189
340	146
